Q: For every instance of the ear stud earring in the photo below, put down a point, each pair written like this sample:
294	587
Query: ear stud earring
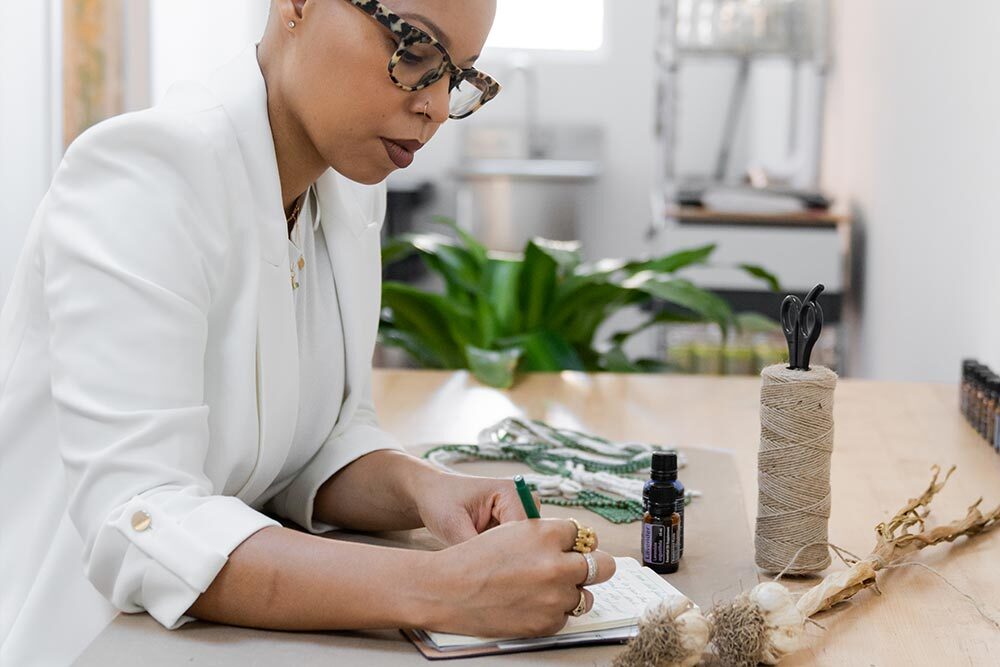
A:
291	24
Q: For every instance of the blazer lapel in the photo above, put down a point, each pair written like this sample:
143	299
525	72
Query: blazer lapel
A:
352	237
242	91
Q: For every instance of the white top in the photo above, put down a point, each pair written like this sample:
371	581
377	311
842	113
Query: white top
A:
150	416
320	334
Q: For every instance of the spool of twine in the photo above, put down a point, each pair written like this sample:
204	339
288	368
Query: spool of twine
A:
793	469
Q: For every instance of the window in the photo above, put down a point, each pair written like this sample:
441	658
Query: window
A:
555	25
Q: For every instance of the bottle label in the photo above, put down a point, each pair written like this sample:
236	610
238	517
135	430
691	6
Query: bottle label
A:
654	548
679	508
675	542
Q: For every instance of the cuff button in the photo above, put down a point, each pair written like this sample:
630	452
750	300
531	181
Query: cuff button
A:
141	521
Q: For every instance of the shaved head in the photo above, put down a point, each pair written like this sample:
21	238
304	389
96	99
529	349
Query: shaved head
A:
325	64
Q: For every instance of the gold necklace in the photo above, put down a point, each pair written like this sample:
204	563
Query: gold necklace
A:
291	220
294	215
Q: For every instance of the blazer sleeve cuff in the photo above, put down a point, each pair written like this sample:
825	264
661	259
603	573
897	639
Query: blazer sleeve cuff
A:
181	557
296	501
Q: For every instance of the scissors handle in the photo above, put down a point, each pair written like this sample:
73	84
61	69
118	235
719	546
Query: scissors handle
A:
810	326
814	293
791	307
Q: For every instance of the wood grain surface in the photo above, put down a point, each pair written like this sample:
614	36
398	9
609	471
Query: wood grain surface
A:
887	436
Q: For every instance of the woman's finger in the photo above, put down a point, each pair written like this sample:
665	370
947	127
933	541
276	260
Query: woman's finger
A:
588	596
577	569
507	504
570	533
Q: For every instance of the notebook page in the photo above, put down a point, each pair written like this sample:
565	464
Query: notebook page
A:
618	602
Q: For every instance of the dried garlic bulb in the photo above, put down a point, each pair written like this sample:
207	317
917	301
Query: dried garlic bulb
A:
784	622
672	634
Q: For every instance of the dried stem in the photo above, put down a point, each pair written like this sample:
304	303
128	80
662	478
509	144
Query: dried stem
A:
894	541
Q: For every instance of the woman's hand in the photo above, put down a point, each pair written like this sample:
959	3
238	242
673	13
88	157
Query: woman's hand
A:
456	507
520	579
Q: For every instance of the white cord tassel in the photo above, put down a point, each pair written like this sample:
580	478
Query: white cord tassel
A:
556	485
569	475
513	432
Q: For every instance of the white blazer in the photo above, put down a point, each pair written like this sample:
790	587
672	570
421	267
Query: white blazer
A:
149	368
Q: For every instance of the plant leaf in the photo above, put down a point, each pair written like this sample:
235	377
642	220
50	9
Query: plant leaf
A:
685	294
476	249
396	249
674	261
763	274
545	351
390	336
539	273
647	365
460	270
577	314
616	361
565	253
662	317
499	288
751	322
439	324
494	368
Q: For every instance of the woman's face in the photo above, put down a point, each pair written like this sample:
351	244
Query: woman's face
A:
335	78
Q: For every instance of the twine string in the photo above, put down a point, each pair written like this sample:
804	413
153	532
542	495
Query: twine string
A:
793	468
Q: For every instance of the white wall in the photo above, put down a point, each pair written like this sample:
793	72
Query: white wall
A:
187	37
191	37
913	142
26	152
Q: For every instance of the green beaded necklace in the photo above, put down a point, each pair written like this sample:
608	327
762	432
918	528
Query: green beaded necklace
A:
563	454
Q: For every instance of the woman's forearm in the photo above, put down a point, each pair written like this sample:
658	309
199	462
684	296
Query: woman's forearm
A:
376	492
283	579
280	578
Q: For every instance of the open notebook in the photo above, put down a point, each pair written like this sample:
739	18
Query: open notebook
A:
618	605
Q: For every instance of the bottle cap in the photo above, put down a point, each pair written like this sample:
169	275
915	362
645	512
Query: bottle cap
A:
664	466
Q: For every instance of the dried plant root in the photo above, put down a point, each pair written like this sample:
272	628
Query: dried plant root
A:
894	542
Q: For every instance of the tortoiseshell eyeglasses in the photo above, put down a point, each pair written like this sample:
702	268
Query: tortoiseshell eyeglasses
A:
420	60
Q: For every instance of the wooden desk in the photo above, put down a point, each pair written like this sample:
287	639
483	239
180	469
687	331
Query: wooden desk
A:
887	436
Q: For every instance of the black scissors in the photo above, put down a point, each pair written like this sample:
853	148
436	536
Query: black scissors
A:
802	322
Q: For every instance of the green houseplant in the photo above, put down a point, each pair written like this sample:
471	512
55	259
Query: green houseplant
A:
538	311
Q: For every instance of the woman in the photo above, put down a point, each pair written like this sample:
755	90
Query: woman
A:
179	355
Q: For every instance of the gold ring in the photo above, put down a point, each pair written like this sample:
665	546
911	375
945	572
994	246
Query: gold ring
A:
581	608
586	538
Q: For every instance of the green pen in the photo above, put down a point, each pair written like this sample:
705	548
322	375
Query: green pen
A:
526	500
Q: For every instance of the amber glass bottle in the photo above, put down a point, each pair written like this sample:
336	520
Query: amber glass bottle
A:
663	473
661	526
